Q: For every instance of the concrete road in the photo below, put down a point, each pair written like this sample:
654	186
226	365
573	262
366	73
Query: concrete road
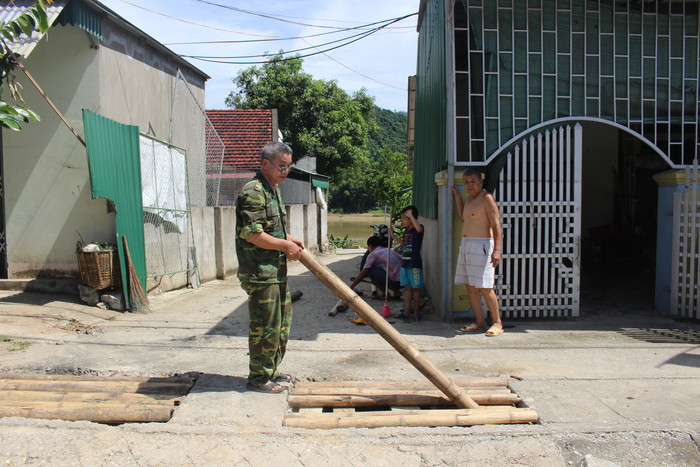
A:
617	386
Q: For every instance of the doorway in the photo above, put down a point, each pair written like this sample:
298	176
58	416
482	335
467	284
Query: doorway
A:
619	217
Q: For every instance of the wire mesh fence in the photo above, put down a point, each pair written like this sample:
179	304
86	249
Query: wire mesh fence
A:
214	180
166	210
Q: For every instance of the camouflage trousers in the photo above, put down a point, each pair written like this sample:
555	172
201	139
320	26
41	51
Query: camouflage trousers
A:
270	310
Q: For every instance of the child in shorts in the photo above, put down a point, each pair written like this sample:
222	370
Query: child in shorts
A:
411	262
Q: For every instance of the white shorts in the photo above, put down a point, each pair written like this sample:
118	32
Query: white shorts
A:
474	263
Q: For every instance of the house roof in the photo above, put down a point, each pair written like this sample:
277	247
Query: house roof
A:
244	132
11	10
86	14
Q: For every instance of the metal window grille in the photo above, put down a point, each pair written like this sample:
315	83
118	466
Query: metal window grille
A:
521	63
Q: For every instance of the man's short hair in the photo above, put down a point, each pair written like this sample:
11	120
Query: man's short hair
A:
473	171
274	149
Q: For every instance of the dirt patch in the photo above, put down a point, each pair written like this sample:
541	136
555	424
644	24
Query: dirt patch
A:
76	326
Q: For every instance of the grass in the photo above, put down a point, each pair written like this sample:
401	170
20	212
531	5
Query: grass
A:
15	346
19	346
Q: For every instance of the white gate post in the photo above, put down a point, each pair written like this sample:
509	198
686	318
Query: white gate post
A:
578	176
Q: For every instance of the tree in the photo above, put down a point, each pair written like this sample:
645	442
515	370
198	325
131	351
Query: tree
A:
317	118
12	115
349	192
387	180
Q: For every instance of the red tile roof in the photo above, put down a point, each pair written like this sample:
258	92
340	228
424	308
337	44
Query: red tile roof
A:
244	132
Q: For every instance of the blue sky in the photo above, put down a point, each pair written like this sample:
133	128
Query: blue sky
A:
381	62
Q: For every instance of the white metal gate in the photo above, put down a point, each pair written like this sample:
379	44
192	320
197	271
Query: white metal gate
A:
685	268
539	195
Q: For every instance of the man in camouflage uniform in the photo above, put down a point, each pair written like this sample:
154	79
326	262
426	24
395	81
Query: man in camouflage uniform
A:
263	246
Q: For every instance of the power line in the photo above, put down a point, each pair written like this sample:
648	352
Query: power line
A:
277	38
193	23
364	33
263	15
361	36
384	24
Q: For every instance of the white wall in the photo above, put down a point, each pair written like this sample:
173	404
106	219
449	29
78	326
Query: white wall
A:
49	205
48	198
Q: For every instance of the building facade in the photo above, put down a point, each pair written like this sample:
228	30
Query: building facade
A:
610	89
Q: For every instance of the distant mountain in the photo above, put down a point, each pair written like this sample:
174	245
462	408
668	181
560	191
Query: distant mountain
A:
391	132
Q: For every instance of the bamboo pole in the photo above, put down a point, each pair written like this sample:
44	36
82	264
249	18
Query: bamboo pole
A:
48	101
95	386
461	382
98	415
382	400
464	417
10	397
138	379
349	391
387	331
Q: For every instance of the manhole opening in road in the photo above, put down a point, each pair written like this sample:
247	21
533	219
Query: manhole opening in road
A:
111	400
345	404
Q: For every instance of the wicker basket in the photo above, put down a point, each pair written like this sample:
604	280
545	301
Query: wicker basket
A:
99	269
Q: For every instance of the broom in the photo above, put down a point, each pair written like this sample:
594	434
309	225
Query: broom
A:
138	300
386	311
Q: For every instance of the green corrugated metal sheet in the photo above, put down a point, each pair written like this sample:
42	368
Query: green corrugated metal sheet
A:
78	14
321	182
431	119
115	174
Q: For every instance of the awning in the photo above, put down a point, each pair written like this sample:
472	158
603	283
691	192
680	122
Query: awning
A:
320	182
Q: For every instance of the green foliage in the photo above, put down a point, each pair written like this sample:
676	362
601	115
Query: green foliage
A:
12	115
391	132
317	118
340	242
388	179
35	19
349	191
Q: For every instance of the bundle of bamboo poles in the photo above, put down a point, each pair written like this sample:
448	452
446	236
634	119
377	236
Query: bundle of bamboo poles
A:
98	399
402	403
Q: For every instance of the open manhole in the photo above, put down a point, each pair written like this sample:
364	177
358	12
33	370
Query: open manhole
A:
111	400
367	404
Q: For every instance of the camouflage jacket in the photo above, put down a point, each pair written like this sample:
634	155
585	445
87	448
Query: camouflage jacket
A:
259	210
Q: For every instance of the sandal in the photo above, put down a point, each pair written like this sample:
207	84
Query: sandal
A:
471	328
402	316
494	331
284	378
270	387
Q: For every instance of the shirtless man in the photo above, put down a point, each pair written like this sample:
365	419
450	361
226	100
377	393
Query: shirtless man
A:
479	251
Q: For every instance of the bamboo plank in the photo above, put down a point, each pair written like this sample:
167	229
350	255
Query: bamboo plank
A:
95	386
463	382
400	411
395	400
385	391
88	397
78	405
464	417
98	415
141	379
